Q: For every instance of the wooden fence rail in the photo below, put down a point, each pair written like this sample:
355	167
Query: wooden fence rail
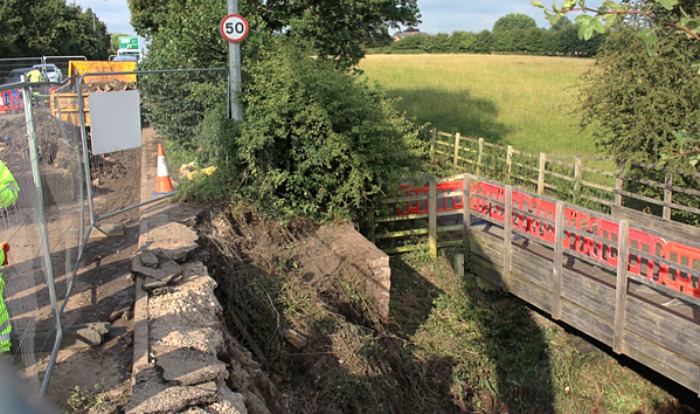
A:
631	287
597	181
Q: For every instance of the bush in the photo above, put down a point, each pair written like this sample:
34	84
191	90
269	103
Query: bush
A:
317	141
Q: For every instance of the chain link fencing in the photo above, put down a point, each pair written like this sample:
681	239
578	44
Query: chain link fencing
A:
76	174
44	226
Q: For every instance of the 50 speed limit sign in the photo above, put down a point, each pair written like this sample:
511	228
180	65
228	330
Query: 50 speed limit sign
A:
234	28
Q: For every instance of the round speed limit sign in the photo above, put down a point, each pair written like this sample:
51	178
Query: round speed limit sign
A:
234	28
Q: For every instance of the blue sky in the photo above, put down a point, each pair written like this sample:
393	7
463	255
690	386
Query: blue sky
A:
438	15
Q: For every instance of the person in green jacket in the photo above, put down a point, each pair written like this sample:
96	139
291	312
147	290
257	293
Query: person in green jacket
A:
35	76
9	191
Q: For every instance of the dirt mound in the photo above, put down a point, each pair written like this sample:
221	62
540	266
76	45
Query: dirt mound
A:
114	85
306	318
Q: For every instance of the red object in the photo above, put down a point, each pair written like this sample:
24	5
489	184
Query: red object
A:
675	278
163	183
10	100
234	28
639	240
575	239
522	220
6	248
543	210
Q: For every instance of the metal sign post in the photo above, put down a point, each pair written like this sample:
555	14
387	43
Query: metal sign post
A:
231	30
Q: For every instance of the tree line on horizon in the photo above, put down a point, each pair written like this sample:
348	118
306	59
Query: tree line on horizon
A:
511	34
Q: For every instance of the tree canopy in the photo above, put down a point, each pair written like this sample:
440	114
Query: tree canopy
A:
636	102
559	40
514	21
315	140
50	27
666	25
334	30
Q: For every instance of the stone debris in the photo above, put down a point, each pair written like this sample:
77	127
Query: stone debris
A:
173	241
151	396
165	269
186	366
185	335
149	259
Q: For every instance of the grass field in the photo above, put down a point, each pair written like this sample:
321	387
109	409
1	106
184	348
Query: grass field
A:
525	101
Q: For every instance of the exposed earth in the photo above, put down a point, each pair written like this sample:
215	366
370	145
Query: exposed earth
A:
305	336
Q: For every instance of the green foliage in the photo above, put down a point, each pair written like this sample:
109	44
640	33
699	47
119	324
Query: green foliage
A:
637	102
511	34
650	16
317	141
335	30
514	21
646	108
50	27
176	103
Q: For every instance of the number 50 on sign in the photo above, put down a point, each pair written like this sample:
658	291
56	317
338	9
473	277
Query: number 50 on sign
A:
234	28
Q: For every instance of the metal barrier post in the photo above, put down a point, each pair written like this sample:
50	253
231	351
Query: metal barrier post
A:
36	174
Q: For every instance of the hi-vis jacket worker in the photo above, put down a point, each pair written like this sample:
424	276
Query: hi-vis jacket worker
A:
35	75
9	190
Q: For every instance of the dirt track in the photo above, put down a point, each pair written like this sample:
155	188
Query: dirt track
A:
103	290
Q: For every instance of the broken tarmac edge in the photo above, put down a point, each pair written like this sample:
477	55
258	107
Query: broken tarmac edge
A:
177	325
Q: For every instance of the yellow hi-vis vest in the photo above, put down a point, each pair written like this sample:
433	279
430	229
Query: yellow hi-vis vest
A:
35	75
5	325
9	190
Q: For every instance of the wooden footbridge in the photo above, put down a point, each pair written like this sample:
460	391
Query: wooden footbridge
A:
628	279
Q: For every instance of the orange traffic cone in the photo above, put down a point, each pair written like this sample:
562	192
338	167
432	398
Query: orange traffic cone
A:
163	183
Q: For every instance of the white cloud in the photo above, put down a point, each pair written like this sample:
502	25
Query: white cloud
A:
114	13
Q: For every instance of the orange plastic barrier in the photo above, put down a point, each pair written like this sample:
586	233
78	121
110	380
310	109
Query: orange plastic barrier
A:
450	203
543	209
639	240
521	220
493	193
676	278
10	100
576	239
413	207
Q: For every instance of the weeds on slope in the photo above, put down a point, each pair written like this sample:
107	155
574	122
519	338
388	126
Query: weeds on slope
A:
449	347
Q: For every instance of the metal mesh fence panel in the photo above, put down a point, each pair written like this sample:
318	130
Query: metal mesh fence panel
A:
181	99
44	227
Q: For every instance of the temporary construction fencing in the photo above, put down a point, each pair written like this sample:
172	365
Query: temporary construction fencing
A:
44	227
74	176
114	174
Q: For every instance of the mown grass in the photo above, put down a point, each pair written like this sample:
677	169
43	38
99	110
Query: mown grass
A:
529	102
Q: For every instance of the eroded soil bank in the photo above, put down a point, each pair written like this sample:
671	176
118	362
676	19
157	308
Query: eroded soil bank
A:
302	309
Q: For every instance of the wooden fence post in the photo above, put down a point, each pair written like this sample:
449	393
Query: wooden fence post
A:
372	226
619	182
509	162
457	142
432	218
621	287
466	216
578	173
541	173
558	260
507	237
668	196
480	156
433	140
